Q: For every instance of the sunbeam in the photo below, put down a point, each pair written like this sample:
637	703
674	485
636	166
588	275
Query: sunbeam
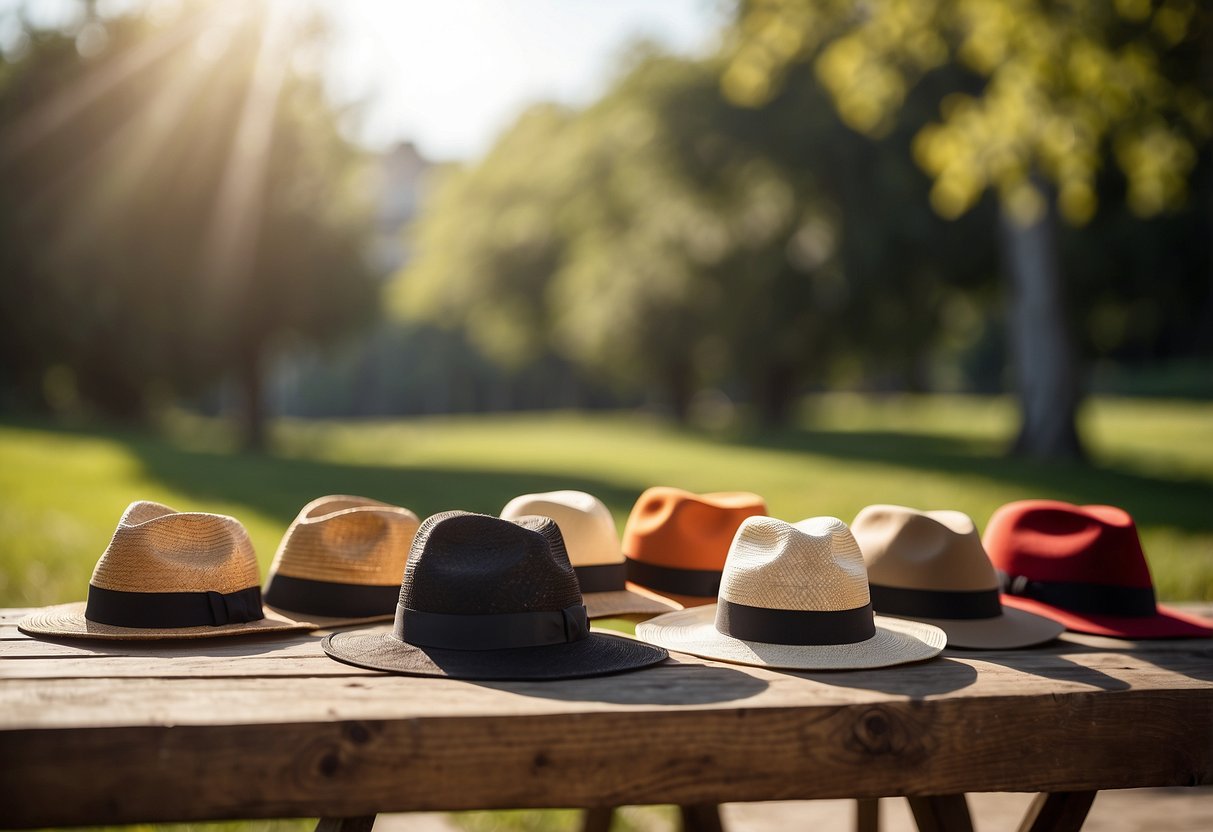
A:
56	113
237	210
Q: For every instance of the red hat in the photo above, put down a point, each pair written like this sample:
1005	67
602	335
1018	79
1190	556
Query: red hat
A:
1082	566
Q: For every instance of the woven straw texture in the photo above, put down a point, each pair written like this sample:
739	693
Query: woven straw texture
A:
473	564
941	551
590	539
812	566
348	540
156	549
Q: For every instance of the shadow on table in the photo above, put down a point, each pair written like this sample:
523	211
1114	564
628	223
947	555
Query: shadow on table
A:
1052	666
917	681
1191	657
664	684
233	646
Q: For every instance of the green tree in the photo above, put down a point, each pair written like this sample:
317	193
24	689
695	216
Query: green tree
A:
667	237
178	202
1064	86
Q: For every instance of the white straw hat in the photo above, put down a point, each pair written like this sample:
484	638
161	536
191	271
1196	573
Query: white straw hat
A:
794	597
593	546
168	574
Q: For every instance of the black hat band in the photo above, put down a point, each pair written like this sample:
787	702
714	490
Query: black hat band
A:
167	610
936	603
703	583
607	577
1091	599
330	598
500	631
802	627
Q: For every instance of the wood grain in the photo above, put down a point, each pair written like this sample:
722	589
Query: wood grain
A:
101	733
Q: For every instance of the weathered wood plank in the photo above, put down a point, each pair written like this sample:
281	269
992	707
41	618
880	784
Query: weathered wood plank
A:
344	768
96	691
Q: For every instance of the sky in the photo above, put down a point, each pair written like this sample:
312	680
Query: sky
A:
450	75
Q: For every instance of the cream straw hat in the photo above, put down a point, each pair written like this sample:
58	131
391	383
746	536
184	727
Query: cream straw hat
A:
794	597
593	546
930	566
165	575
340	562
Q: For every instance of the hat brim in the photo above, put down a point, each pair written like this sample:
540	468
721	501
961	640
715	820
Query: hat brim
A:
599	654
897	641
1166	623
679	601
631	601
1011	630
68	621
326	622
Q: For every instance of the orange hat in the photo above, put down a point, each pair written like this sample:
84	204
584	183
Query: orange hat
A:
676	542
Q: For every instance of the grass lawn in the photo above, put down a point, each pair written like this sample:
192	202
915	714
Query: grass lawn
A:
62	490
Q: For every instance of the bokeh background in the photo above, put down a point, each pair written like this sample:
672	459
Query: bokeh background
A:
944	253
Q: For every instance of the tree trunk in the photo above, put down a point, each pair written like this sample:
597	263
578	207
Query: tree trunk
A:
252	401
775	395
679	390
1040	345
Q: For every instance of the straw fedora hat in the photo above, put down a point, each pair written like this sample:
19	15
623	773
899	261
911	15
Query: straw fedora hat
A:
340	562
593	547
794	597
930	566
489	599
676	542
168	574
1084	567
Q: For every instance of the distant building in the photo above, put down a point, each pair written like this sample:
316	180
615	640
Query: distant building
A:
400	181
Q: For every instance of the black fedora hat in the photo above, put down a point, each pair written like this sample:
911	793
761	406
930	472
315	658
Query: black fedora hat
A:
484	598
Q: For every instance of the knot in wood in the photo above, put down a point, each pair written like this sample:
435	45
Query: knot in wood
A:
879	730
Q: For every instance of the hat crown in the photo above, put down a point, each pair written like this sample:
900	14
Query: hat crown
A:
347	539
158	549
911	549
676	528
812	565
474	564
585	523
1050	540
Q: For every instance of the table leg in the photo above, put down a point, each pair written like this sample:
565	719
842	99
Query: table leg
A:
1057	812
597	820
941	813
701	817
360	824
867	814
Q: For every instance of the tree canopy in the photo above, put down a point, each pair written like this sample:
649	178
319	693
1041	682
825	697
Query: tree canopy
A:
178	200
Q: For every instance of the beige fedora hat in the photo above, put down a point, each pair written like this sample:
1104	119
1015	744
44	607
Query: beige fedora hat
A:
794	597
165	575
930	566
340	562
593	547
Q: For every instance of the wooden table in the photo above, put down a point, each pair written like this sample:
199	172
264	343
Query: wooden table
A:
109	732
